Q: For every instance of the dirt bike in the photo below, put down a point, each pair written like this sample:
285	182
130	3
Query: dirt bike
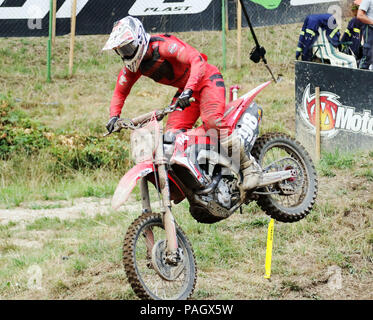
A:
158	258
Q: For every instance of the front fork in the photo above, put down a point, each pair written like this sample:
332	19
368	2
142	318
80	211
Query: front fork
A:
172	252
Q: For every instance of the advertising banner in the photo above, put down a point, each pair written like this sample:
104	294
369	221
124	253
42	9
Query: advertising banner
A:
346	98
278	12
29	18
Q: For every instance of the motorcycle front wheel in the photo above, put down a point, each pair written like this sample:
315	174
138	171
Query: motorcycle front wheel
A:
290	200
149	275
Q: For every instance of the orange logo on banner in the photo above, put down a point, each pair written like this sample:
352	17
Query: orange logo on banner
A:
328	113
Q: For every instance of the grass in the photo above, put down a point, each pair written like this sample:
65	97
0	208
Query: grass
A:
45	207
367	173
80	257
337	160
27	185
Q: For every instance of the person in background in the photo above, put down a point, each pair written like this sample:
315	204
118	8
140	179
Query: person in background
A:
310	33
365	15
351	40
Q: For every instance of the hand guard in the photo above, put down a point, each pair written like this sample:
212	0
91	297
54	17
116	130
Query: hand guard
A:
183	101
111	124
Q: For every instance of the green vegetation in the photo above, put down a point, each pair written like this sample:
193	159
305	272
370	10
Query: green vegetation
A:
335	160
367	173
29	148
82	259
21	134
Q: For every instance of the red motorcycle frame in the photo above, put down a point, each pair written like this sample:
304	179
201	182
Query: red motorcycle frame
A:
235	109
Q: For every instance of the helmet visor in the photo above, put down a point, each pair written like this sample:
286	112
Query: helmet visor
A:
128	51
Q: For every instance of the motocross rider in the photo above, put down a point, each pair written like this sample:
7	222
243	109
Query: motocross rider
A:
170	61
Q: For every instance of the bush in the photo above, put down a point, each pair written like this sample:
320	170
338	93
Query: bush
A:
90	153
20	134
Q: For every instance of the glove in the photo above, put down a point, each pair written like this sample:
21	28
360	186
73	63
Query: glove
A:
111	124
183	100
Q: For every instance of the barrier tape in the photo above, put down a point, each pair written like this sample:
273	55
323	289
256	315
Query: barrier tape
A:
269	249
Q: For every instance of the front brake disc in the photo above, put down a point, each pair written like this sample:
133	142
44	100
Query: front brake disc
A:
166	271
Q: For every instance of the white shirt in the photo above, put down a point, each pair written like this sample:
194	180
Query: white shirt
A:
367	6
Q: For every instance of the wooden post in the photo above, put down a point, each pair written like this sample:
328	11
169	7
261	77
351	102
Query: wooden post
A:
239	33
72	37
49	49
54	22
317	123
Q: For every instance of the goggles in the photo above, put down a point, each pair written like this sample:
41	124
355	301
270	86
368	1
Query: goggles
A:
127	51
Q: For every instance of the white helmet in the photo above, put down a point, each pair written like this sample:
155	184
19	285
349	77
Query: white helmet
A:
130	41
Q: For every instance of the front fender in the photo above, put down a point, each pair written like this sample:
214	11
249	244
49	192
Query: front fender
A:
128	182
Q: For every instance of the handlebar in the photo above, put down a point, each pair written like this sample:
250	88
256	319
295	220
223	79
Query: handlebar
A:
138	121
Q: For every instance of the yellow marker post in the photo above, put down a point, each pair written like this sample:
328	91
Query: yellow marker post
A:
269	249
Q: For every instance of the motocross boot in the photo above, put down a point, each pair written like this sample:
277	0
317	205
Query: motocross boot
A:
251	170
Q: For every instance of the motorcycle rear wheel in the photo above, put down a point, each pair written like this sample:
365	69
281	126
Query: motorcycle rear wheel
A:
146	282
283	151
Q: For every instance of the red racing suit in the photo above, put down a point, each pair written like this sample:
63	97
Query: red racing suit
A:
173	62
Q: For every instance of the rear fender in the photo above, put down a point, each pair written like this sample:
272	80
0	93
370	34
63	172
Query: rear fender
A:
128	182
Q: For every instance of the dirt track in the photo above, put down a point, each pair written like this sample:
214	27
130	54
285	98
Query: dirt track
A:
62	209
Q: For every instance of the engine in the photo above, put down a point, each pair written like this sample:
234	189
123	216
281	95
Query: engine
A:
222	194
216	204
225	193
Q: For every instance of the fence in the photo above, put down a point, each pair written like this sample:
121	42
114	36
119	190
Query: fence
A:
30	17
20	18
24	18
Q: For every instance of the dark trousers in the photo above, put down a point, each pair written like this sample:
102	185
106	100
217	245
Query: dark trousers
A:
367	58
